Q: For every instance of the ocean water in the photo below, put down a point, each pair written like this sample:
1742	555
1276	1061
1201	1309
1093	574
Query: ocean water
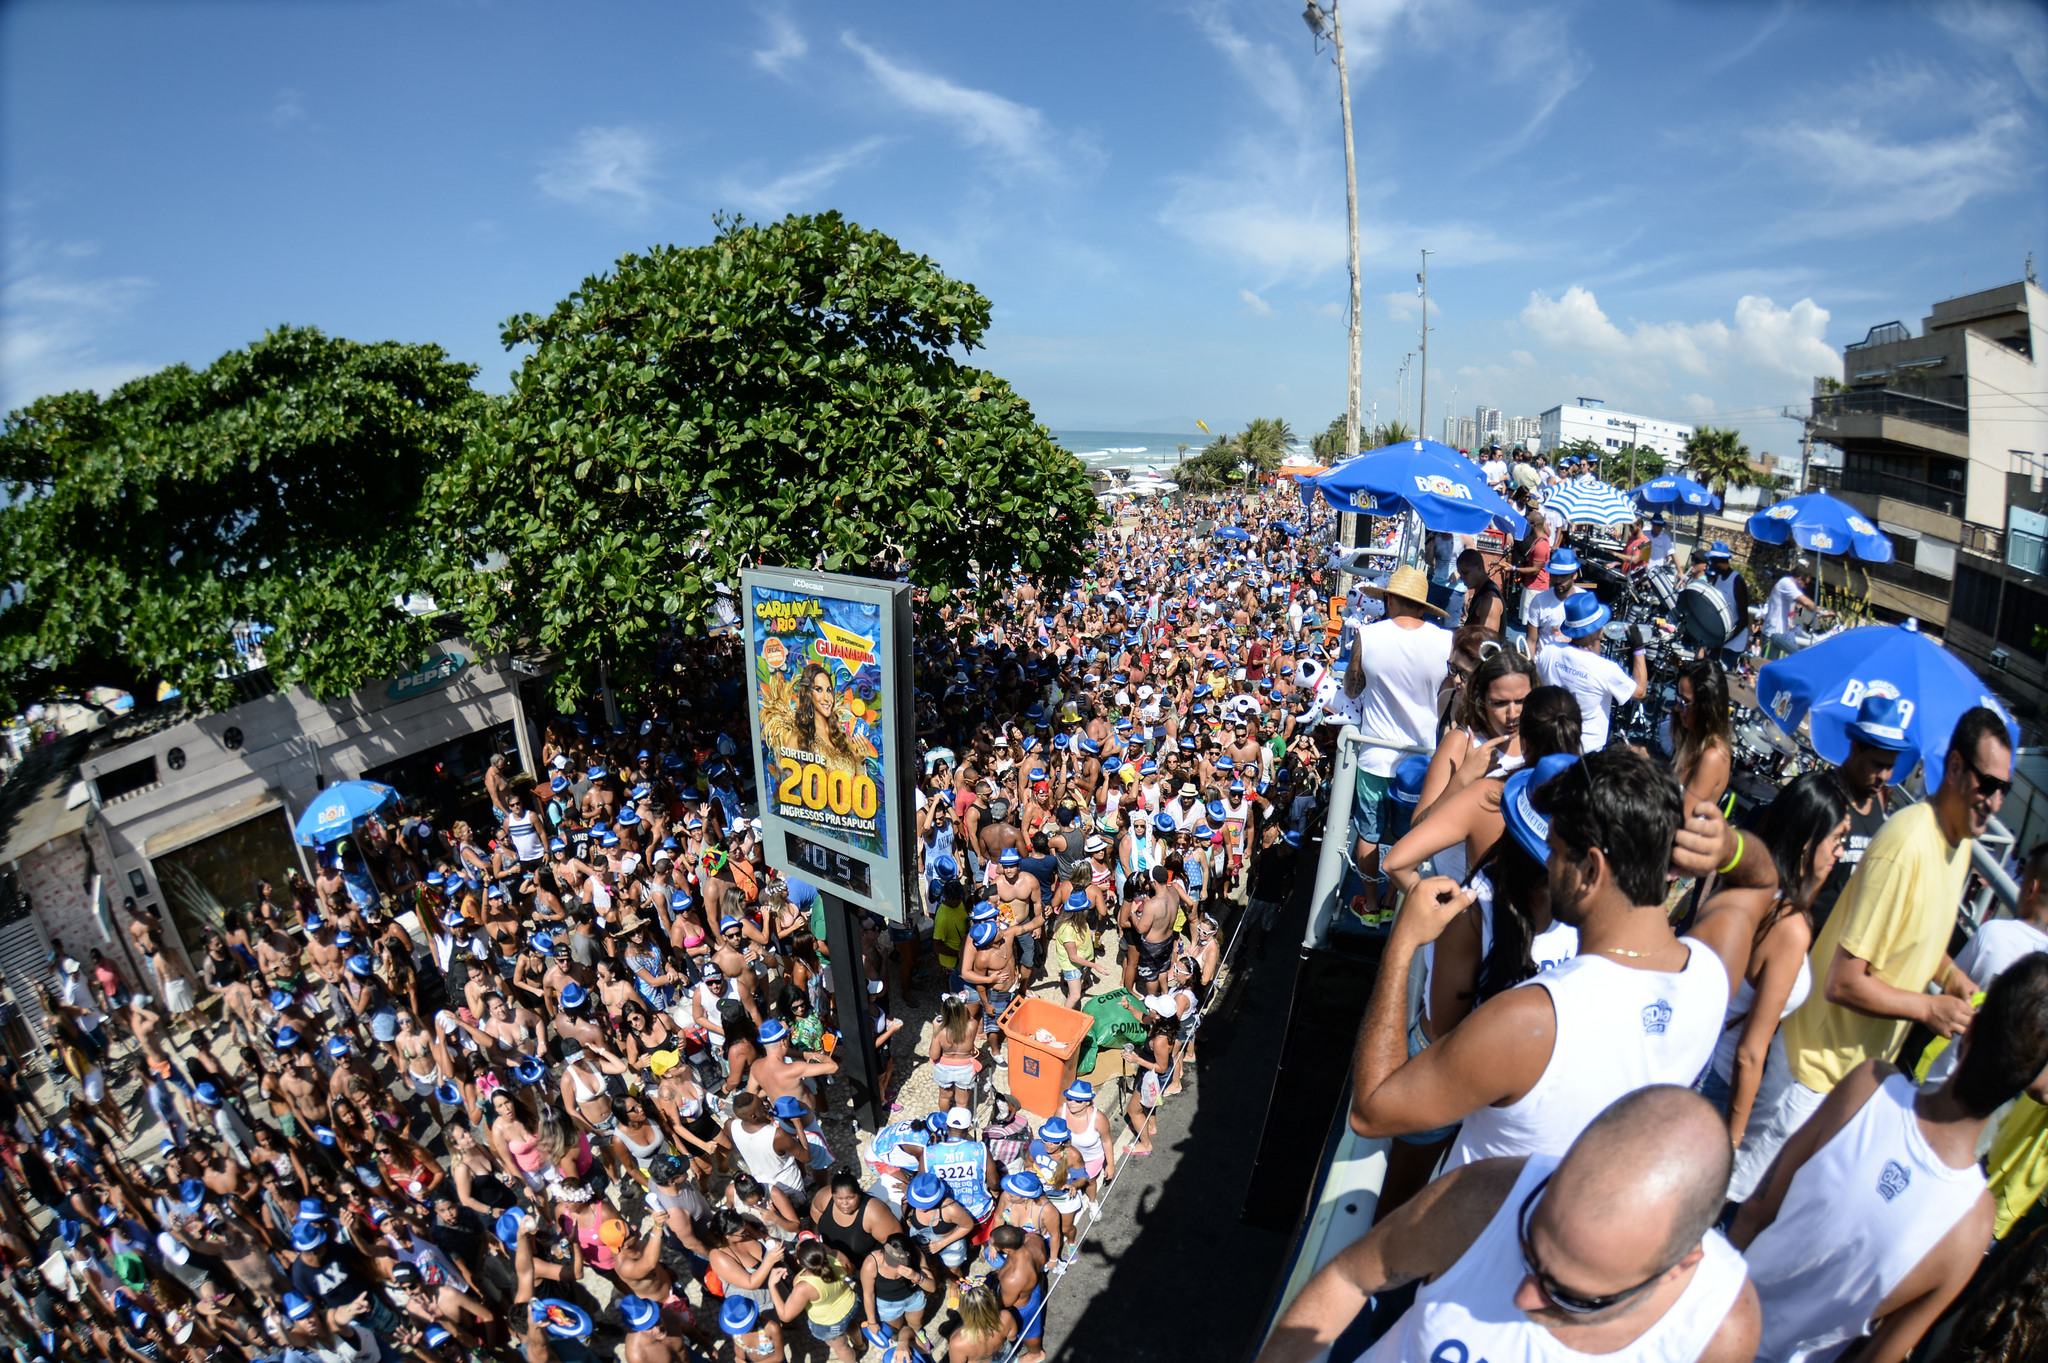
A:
1130	449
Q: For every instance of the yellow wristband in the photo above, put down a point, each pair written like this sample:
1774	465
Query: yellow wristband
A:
1735	860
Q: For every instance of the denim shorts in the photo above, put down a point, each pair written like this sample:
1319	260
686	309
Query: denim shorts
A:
825	1334
891	1311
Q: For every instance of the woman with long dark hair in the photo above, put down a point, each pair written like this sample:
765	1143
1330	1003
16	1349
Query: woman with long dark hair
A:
1802	830
1484	736
1469	820
1702	751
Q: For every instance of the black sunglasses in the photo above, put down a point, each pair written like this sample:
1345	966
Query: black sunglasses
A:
1563	1298
1988	786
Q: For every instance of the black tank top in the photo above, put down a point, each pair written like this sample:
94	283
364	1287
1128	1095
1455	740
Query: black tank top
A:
854	1241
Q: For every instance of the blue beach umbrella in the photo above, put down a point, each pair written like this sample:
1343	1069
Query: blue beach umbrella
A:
1828	681
335	810
1433	480
1675	489
1237	534
1823	525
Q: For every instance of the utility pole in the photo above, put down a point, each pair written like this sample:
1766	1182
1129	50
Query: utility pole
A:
1314	18
1805	420
1422	401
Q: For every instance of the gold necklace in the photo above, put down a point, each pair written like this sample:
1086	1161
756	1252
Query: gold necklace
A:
1624	951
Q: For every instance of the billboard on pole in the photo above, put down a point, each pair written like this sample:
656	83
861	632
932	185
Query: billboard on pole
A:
832	721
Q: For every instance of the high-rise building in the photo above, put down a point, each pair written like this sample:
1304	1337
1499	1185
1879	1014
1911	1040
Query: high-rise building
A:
1459	432
1486	423
1943	449
1523	429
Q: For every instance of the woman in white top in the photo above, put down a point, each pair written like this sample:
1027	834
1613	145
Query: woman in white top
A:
1456	827
1484	737
1802	831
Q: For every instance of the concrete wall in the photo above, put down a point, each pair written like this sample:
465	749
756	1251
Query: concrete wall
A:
55	877
2005	412
292	745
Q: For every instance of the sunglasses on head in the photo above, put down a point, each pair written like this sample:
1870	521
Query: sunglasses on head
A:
1554	1292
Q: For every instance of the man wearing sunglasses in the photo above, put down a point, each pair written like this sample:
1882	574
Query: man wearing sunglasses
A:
1609	1251
1887	940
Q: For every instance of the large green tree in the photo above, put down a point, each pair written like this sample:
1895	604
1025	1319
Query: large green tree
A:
279	486
1327	445
788	393
1630	466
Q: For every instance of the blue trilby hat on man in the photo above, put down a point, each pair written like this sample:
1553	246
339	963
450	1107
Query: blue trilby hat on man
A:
1564	563
1584	613
1881	722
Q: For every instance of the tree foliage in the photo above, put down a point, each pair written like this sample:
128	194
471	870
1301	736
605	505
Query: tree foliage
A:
1718	459
789	393
1327	445
1393	433
1630	466
1217	465
280	485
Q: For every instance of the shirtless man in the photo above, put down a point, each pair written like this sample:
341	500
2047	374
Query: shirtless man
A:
146	1025
777	1074
637	1263
988	961
654	1333
1015	1261
1018	903
996	833
1149	942
575	1020
277	954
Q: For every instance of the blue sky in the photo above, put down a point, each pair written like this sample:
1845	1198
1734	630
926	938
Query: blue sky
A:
1684	208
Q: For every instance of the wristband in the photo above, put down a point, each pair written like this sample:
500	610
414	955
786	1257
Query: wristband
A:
1735	860
1639	652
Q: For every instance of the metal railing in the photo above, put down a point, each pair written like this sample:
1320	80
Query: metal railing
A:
1829	408
1947	498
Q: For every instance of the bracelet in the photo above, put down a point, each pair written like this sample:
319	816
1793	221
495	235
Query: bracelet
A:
1735	860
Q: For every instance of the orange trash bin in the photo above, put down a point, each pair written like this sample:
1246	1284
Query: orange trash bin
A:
1041	1067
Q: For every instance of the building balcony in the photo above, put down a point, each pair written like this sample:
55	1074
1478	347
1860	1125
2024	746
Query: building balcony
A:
1928	508
1879	416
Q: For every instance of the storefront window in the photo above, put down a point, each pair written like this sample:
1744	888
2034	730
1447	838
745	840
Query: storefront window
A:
219	872
446	782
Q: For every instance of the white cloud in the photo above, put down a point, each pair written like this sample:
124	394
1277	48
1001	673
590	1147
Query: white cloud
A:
1522	358
1254	303
1405	305
1762	337
1534	57
606	167
801	186
1273	75
57	329
786	43
1697	405
2014	29
980	118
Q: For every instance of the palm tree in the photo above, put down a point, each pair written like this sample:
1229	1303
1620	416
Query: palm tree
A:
1328	445
1719	459
1393	433
1265	441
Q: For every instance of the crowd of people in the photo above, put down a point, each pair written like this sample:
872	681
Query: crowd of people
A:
562	1079
1609	1019
559	1078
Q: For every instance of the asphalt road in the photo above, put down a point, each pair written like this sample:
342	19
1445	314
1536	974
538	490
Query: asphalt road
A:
1171	1274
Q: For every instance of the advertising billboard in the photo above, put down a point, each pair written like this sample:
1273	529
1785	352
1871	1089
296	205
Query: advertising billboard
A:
831	714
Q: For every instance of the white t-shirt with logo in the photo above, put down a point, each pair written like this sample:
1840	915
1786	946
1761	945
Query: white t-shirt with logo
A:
1595	681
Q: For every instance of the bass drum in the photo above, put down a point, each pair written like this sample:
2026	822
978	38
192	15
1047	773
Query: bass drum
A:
1703	615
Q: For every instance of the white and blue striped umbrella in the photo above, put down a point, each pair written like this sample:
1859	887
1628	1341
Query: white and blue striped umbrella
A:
1588	501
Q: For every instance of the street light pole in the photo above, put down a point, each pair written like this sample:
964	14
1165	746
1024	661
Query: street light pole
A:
1314	18
1422	401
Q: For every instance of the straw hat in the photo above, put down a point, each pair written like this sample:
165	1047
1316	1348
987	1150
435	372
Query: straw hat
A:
1408	584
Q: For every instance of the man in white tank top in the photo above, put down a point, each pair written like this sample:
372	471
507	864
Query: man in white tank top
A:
1609	1253
1875	1215
1528	1068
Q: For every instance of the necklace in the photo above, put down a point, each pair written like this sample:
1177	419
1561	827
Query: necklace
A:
1624	951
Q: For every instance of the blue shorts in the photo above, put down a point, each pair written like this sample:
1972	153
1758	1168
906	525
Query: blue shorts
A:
1070	975
825	1334
891	1311
997	1002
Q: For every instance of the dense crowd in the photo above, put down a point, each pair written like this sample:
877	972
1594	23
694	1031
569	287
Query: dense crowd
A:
562	1080
565	1081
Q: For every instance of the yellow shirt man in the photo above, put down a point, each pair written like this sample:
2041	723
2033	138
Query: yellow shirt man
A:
1897	912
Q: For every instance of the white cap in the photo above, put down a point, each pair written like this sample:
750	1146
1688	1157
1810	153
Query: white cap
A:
1162	1004
960	1118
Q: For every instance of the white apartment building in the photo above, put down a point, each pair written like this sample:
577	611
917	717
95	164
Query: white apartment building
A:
1486	420
1591	419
